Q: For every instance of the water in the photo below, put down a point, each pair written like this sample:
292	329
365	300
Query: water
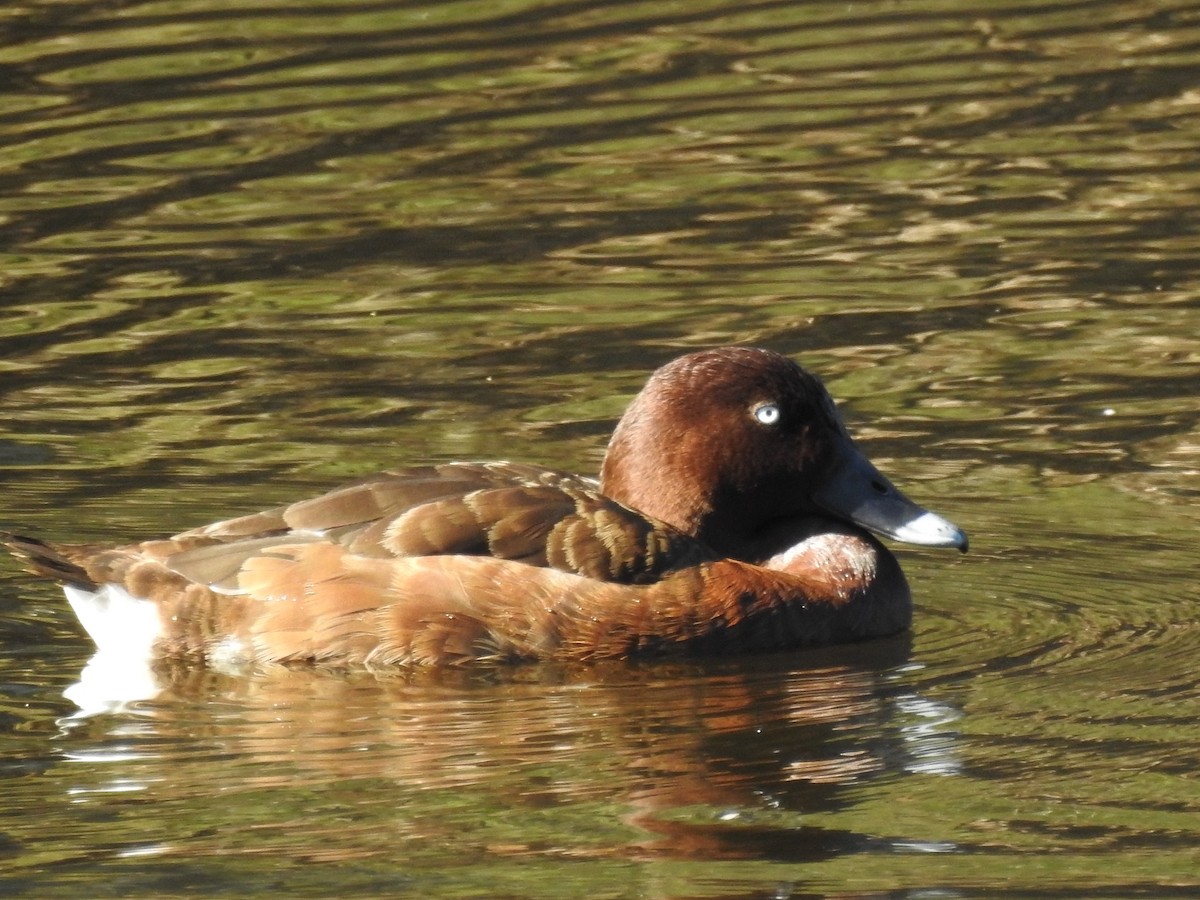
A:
248	253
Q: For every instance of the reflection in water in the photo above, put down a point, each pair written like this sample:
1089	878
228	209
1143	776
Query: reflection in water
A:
253	251
705	764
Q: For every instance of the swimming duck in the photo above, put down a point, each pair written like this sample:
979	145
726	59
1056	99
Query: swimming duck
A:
733	514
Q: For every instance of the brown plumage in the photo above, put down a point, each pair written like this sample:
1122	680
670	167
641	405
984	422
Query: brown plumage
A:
716	528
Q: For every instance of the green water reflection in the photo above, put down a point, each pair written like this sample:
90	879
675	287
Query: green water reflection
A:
249	252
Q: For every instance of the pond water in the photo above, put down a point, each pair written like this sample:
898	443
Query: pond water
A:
250	252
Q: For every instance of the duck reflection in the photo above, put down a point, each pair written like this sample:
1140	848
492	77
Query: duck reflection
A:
703	759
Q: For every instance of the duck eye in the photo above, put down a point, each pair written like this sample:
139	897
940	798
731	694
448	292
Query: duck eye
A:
768	414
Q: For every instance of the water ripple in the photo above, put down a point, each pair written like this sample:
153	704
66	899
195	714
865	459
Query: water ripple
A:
250	252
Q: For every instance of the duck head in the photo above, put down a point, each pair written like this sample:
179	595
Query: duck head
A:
731	444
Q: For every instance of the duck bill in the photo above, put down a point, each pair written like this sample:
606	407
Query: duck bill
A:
860	493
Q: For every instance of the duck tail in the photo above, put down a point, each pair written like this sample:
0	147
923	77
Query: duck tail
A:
49	560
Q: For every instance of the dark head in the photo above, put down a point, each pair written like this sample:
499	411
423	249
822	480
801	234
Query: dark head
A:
727	443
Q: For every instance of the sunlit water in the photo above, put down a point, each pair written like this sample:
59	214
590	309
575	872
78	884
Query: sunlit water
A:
248	253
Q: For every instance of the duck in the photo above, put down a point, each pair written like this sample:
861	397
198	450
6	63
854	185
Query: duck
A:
733	514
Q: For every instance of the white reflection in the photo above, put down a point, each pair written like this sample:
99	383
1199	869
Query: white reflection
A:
931	743
110	682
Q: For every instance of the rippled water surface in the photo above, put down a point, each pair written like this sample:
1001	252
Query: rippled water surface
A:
248	252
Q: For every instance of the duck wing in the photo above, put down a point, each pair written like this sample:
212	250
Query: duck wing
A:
506	511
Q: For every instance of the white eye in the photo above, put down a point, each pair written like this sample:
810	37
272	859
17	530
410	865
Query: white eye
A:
768	414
